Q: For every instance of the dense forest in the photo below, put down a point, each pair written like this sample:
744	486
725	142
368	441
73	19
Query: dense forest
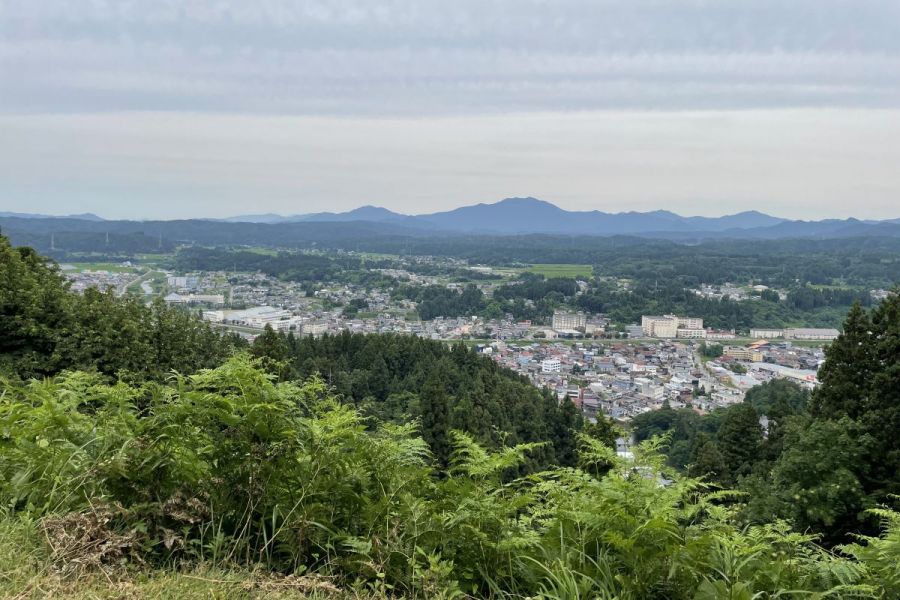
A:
396	379
397	467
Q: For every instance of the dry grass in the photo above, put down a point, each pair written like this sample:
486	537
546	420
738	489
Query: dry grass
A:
145	585
76	557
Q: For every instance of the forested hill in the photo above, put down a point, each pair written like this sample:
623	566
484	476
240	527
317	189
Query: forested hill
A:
397	378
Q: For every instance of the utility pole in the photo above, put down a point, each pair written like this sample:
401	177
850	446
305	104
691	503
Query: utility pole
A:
52	242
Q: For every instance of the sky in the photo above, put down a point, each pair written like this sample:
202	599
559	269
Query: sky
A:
180	108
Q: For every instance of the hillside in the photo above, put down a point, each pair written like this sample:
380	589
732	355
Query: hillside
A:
398	467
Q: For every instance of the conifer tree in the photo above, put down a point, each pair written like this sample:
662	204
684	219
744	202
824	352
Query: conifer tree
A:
706	459
738	439
846	376
435	416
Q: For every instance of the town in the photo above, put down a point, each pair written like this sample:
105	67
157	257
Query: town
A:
615	369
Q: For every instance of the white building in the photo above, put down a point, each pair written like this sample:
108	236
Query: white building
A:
182	282
551	365
691	334
811	334
712	334
216	299
667	326
259	316
766	333
314	329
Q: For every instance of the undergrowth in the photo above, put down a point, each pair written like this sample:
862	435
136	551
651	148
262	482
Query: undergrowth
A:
227	484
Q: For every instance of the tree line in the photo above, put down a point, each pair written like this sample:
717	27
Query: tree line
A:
820	460
45	329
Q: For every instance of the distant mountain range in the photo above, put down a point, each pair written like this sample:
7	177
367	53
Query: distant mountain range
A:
517	216
80	217
374	214
514	216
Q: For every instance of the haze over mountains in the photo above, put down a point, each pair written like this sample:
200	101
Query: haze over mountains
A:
514	216
517	216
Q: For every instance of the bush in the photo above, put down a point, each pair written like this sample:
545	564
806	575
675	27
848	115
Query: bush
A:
228	467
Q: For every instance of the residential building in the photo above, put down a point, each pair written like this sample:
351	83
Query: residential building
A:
314	329
551	365
567	320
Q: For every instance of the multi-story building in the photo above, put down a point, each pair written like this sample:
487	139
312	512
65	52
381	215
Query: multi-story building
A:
182	282
667	326
691	334
551	365
740	353
712	334
217	299
314	329
766	333
565	320
811	334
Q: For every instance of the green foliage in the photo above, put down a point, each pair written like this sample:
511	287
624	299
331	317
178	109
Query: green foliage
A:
777	398
711	350
395	378
229	467
44	329
739	439
438	301
861	382
562	270
33	308
815	477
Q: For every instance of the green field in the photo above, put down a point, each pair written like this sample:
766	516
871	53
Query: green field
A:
562	270
101	266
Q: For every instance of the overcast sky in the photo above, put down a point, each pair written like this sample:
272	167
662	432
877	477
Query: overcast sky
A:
174	108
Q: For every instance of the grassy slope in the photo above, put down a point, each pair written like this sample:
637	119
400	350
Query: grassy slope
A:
27	571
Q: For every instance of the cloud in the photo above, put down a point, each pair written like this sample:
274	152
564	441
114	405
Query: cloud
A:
148	108
420	57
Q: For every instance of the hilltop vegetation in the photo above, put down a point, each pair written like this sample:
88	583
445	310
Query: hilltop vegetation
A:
397	467
227	467
396	379
44	329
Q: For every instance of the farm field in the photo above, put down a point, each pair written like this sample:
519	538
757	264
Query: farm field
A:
562	270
